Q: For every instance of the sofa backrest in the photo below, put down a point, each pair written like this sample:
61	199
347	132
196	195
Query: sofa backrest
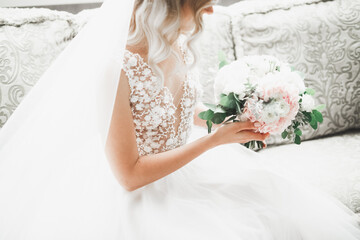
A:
30	39
319	38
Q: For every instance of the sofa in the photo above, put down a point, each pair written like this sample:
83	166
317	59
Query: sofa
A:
320	38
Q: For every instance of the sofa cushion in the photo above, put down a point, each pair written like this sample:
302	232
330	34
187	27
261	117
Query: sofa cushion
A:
331	164
30	39
322	39
216	37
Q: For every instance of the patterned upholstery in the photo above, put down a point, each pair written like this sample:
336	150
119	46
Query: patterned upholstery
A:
216	37
320	39
30	39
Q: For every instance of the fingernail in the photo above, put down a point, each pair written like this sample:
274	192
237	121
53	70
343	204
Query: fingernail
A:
257	124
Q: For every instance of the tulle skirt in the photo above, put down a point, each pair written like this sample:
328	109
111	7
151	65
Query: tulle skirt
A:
226	193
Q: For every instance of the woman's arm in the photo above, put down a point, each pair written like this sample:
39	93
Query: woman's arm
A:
133	171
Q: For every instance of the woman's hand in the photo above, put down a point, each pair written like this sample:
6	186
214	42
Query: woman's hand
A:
237	132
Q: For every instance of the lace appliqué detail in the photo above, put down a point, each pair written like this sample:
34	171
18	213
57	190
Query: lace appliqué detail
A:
153	109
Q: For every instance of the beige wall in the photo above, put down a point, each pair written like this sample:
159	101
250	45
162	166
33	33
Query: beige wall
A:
74	8
227	2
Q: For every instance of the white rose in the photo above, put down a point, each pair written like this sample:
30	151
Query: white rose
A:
238	88
299	82
285	68
307	103
262	68
231	78
291	78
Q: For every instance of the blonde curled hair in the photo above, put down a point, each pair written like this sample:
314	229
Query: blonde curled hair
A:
158	23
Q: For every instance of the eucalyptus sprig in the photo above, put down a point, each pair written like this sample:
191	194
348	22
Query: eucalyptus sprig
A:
228	110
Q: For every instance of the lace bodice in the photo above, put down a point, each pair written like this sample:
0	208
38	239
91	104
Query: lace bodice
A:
159	125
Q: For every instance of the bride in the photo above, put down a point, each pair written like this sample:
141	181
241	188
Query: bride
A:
91	155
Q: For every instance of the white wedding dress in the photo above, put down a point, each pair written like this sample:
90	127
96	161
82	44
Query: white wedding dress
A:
223	194
56	183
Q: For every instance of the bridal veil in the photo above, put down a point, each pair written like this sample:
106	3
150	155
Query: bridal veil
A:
54	176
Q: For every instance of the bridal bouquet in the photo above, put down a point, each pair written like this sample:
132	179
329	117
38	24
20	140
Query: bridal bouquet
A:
266	90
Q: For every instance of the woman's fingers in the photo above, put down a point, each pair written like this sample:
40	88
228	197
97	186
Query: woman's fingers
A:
241	126
238	132
248	136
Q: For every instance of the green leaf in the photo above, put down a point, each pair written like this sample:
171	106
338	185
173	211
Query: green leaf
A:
222	59
236	96
320	107
238	107
222	56
313	125
206	115
211	106
230	119
310	91
218	118
307	116
318	116
209	124
296	124
298	132
228	102
284	134
222	64
313	122
219	109
297	139
292	68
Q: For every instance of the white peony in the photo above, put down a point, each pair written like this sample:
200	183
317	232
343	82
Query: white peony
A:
308	103
261	65
283	108
269	116
231	78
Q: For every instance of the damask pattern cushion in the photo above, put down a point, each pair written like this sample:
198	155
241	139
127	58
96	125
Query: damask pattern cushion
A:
321	39
216	37
30	39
